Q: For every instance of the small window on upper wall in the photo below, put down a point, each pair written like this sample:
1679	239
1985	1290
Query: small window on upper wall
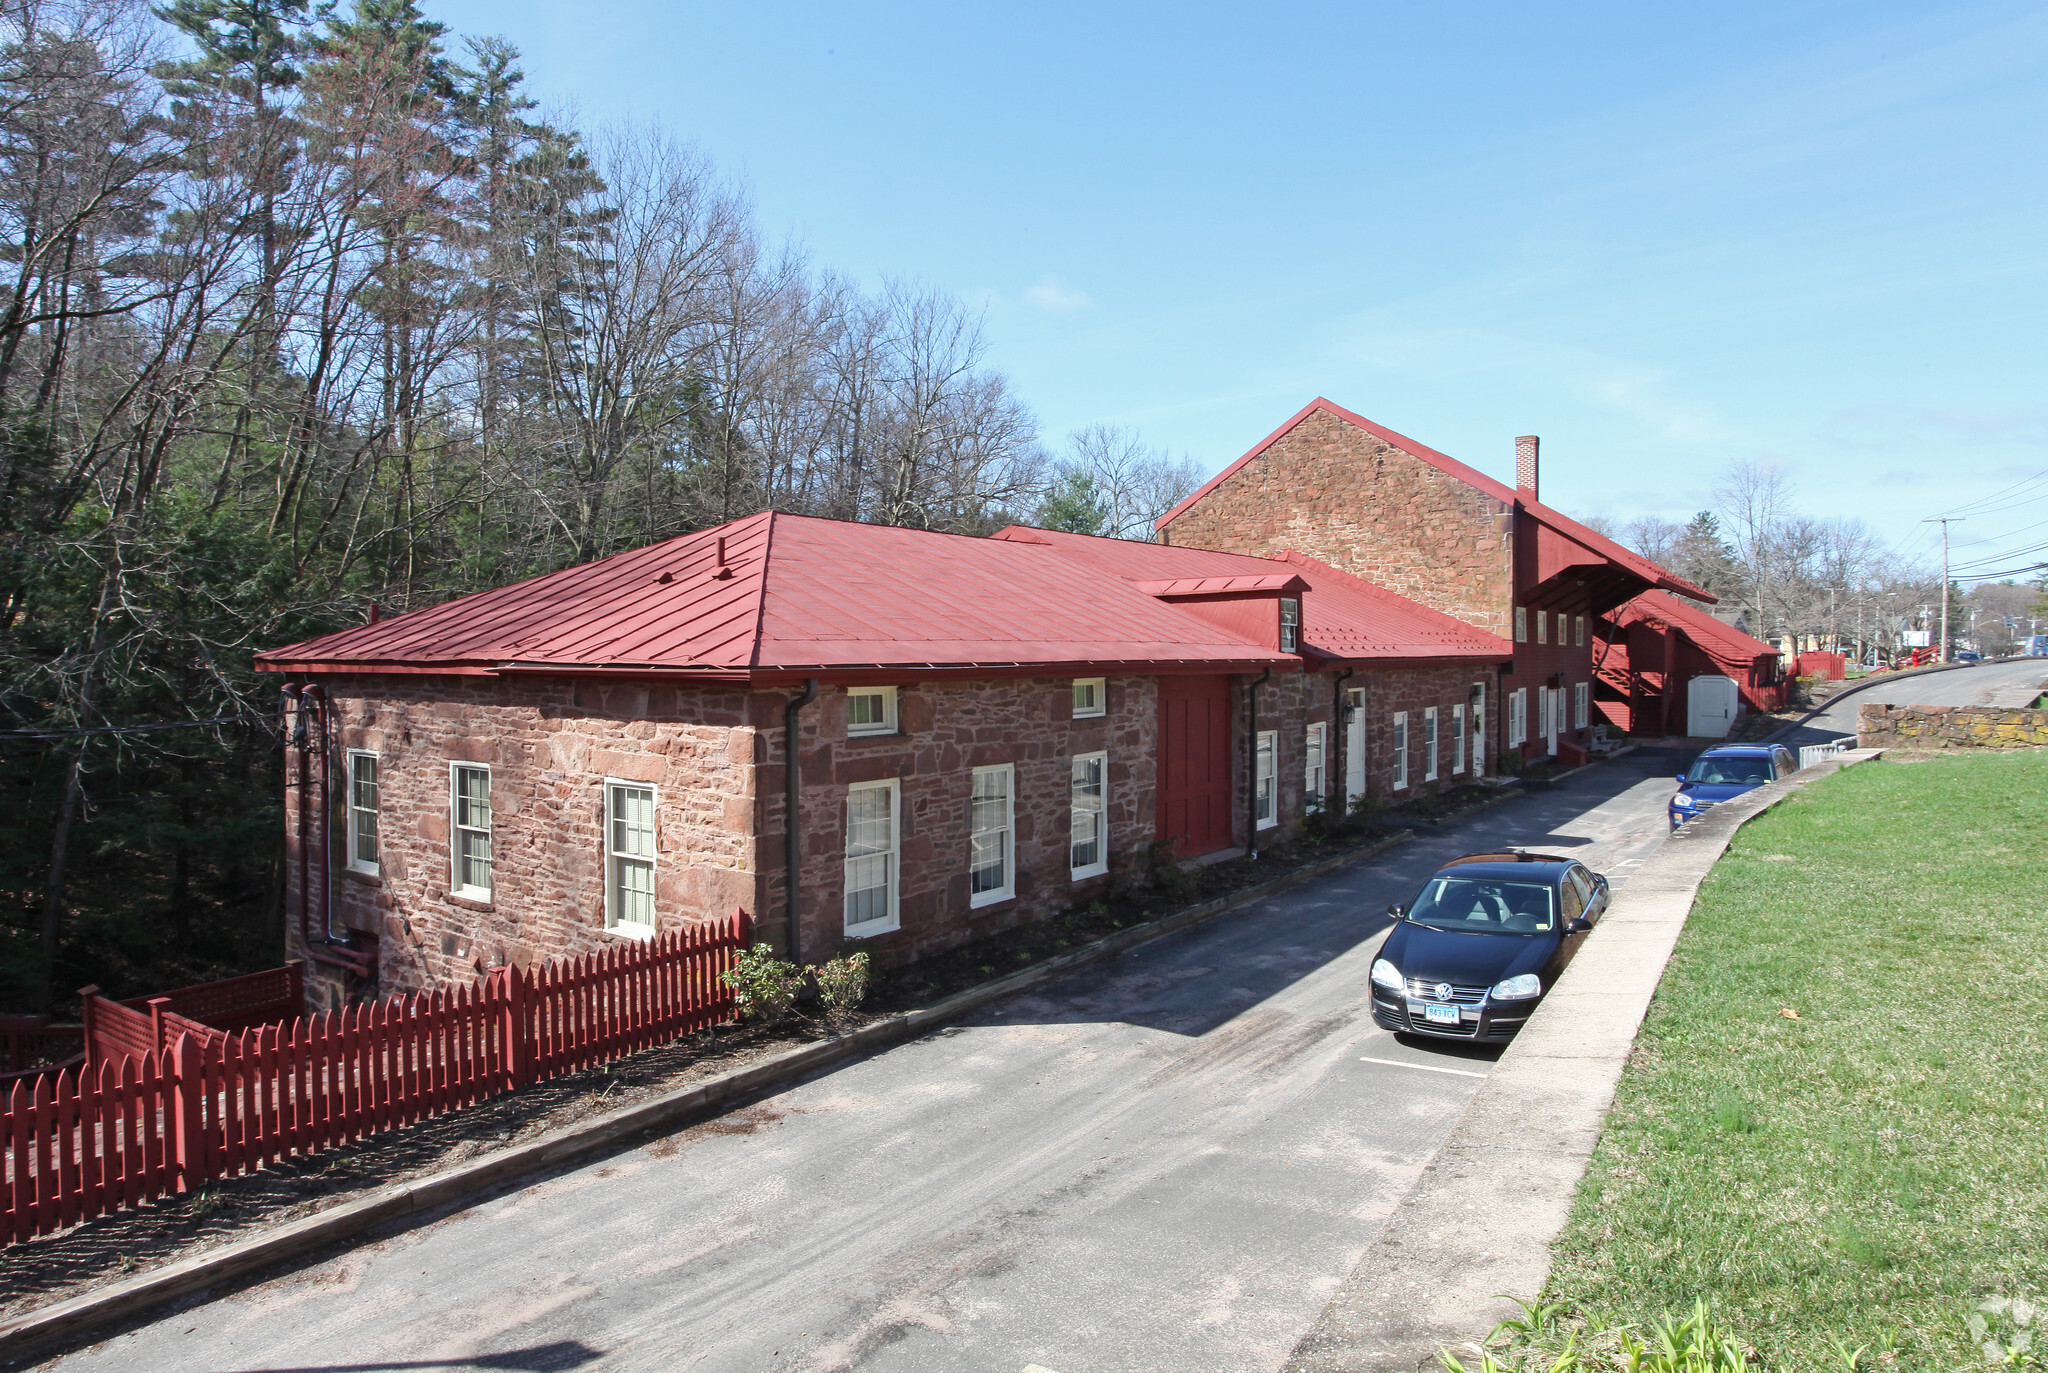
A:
1579	632
1290	625
1542	626
1091	697
871	710
1521	624
1564	629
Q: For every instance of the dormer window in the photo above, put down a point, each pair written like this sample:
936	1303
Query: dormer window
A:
1290	625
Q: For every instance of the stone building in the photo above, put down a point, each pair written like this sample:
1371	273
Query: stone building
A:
1337	487
982	729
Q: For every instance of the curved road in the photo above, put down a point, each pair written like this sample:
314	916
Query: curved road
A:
1963	686
1165	1162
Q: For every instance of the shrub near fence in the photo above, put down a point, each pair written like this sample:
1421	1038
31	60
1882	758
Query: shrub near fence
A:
125	1130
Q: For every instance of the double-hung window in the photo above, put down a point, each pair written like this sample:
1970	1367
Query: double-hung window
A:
1579	631
1429	744
871	710
629	857
1315	772
871	849
1521	624
1091	698
362	813
1542	626
1457	740
1290	625
1265	805
1518	717
1564	629
1581	705
1400	750
992	840
1089	838
471	785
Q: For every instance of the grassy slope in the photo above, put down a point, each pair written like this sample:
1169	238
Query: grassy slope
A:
1875	1166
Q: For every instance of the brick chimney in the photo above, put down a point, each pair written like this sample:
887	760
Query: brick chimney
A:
1525	465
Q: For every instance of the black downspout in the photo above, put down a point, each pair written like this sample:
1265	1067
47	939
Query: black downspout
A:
792	836
1339	782
1251	764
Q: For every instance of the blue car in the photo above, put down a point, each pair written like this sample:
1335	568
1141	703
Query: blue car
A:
1727	770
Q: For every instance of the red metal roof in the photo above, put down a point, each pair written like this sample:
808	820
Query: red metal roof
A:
1721	641
1342	617
797	596
1471	476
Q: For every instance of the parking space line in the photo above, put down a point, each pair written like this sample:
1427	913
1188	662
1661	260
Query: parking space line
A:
1422	1067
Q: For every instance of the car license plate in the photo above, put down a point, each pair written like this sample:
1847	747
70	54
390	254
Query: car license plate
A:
1440	1015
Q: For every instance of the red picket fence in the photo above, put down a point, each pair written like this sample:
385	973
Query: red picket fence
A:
127	1128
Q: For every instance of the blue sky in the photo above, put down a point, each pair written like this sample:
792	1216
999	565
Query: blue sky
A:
1662	237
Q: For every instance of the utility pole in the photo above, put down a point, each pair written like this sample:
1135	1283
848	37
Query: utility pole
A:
1944	521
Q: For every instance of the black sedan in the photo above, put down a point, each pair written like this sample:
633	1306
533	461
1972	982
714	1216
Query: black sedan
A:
1484	940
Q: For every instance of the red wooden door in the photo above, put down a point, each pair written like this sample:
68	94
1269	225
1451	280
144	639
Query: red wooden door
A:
1194	763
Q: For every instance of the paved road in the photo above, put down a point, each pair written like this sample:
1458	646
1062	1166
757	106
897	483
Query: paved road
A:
1165	1163
1969	686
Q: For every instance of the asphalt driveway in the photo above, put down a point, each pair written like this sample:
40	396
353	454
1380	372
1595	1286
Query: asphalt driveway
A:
1169	1162
2004	682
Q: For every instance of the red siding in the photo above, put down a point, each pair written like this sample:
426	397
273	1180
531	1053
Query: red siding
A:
1194	763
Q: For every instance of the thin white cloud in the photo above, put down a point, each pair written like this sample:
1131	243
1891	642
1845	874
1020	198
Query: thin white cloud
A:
1058	294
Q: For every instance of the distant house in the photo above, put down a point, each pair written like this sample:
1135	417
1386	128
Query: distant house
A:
980	730
1389	510
1654	648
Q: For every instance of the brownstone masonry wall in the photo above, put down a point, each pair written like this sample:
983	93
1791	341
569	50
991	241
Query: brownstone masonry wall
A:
1333	491
1935	727
1414	690
550	744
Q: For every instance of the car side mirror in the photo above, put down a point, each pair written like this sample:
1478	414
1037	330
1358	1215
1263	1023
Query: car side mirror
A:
1681	777
1397	911
1578	924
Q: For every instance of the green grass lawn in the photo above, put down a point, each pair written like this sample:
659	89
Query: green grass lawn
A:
1876	1167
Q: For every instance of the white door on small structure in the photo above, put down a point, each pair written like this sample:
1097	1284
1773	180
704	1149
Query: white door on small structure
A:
1710	707
1354	747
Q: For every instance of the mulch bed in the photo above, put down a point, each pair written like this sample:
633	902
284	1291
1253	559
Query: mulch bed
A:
56	1267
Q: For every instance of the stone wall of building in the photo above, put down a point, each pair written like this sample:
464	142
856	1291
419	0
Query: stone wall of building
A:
1332	490
1937	727
550	746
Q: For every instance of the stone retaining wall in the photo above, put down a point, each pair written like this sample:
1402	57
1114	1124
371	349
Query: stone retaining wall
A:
1883	726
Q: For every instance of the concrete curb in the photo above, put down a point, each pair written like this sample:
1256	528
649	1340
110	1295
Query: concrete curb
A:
417	1200
1863	685
1480	1220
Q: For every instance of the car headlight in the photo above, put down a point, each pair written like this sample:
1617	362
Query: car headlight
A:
1385	974
1683	801
1518	988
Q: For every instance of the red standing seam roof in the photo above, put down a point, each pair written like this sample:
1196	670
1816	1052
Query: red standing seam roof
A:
798	594
1720	640
1342	617
1471	476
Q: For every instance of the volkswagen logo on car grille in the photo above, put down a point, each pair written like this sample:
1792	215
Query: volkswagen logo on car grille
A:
1442	991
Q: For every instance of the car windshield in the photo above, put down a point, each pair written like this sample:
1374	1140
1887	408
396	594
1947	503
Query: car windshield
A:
1746	770
1483	907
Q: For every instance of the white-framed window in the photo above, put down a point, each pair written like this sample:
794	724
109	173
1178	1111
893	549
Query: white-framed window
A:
870	710
1400	749
1518	717
1579	632
1478	728
871	853
1457	740
1429	744
1521	624
629	858
362	812
1091	697
1542	626
1089	837
1581	704
992	836
1564	629
1265	799
470	854
1290	624
1315	771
